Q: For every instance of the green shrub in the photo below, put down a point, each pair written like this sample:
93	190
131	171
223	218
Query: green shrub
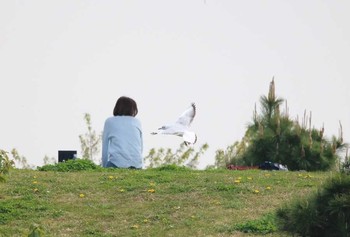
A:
325	213
5	164
184	155
264	225
71	165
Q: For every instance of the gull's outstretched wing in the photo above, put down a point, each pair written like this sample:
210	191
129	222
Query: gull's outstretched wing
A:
186	117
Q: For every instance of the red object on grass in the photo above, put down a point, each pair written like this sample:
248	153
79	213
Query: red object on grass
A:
239	167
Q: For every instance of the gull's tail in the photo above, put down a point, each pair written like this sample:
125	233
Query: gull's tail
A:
189	137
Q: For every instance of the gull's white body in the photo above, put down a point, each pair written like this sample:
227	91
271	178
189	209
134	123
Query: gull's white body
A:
181	126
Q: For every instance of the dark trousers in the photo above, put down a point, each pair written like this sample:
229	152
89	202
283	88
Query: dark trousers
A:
111	165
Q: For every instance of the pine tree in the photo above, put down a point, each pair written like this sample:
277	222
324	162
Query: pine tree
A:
274	136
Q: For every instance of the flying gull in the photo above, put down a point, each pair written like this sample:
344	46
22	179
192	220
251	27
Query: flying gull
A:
181	126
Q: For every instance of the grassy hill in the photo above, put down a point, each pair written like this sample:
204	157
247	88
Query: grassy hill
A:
153	202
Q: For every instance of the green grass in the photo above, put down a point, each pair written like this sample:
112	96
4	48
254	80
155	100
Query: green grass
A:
153	202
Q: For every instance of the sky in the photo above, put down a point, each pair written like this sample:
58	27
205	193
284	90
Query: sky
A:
60	59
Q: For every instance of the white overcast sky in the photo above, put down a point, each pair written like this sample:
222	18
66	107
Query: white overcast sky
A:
61	59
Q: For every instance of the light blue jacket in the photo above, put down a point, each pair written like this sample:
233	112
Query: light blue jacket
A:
122	142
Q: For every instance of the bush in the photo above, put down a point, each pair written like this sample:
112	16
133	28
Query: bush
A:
183	156
5	164
264	225
71	165
325	213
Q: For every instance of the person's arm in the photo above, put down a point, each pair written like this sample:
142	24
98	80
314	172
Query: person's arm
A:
105	146
139	127
141	137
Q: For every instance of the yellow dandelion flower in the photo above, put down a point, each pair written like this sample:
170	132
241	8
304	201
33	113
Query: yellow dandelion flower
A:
145	221
111	177
256	191
151	190
237	181
121	190
249	178
135	226
267	175
268	188
81	195
35	190
35	182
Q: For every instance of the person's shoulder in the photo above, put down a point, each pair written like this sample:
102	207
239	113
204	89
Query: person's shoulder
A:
110	119
135	121
123	119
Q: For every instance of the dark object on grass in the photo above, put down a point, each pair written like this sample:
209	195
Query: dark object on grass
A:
66	155
268	165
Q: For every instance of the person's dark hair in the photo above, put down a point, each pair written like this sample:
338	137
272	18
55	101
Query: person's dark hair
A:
125	106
